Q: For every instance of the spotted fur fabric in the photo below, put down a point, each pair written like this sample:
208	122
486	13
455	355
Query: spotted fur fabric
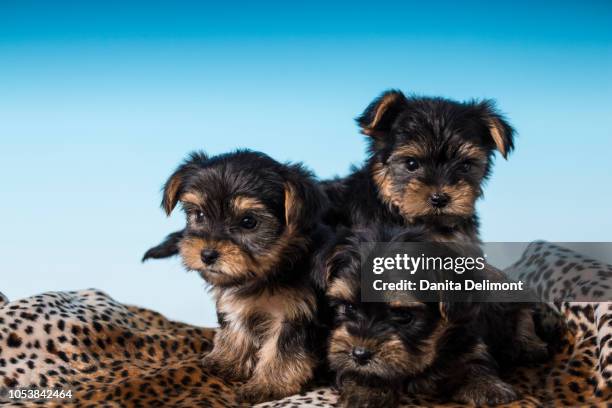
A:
107	353
110	354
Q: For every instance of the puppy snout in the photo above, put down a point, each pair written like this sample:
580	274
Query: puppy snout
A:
361	355
439	200
209	256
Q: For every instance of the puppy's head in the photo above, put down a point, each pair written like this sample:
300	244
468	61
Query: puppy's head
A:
246	214
431	155
381	341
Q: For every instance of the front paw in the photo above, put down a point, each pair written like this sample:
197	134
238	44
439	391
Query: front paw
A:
531	348
535	353
256	391
367	397
486	391
222	368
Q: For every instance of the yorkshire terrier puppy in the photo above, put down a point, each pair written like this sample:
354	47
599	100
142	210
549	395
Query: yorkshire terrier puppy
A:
428	159
252	229
449	349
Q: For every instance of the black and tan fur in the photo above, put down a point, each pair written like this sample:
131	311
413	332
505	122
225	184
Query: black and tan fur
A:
419	148
424	150
252	229
451	349
421	151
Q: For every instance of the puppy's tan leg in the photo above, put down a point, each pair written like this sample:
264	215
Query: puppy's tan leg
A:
232	356
284	366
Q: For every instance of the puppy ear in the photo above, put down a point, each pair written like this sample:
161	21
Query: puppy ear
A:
304	200
173	188
378	117
457	312
171	191
168	247
334	255
501	132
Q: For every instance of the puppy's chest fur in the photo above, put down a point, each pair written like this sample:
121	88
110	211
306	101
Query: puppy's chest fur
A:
263	314
464	232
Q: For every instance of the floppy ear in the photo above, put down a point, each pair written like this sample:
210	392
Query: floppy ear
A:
334	255
456	305
459	311
378	117
167	248
304	200
173	188
323	265
501	132
171	191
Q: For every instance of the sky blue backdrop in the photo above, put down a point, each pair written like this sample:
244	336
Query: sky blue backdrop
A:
100	100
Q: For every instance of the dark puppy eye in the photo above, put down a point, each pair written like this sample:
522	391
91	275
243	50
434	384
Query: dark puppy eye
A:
404	317
465	166
199	215
346	309
412	164
248	222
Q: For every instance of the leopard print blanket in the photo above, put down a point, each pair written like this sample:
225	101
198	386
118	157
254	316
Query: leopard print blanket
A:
106	354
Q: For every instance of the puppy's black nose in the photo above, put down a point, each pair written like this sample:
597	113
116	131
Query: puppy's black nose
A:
439	200
209	256
361	355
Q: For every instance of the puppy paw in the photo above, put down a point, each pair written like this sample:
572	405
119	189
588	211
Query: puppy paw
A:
255	392
221	368
211	363
367	397
483	391
534	352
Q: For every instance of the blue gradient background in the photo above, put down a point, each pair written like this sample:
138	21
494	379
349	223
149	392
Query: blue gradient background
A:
99	101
